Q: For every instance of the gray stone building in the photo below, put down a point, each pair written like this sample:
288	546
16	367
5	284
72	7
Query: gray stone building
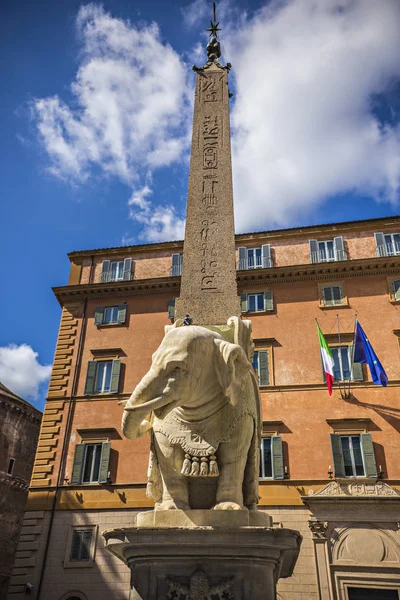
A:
19	431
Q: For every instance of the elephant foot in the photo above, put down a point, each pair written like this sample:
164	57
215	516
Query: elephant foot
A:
171	505
227	506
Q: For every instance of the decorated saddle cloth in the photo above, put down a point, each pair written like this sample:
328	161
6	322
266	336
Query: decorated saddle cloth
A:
200	438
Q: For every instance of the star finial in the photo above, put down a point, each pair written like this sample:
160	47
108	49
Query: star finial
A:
213	29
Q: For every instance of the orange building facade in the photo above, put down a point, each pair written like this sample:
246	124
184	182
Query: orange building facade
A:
330	465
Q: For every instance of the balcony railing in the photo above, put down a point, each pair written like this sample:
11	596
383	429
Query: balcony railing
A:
175	271
254	263
107	277
390	249
330	256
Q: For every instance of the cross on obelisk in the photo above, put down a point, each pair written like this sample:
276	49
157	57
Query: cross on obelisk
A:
208	286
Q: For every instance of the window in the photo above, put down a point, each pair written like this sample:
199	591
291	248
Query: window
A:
176	267
11	464
80	548
396	289
171	309
261	366
353	455
328	250
110	315
116	270
332	295
102	376
254	258
344	367
91	463
258	302
387	244
271	458
372	594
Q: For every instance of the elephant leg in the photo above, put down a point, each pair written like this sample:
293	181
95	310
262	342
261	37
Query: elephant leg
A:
170	457
232	457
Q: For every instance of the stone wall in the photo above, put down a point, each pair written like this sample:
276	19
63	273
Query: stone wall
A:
19	429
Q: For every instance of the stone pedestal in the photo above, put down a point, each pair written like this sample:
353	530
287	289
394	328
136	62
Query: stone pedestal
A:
204	554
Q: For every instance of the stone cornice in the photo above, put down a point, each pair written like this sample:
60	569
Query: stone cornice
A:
288	274
320	271
135	287
14	482
21	406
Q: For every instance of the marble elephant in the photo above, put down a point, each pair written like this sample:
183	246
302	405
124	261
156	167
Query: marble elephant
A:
200	403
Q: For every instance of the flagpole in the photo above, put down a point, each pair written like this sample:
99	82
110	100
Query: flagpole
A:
340	352
354	346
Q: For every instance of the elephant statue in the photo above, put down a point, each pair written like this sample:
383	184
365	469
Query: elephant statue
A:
200	402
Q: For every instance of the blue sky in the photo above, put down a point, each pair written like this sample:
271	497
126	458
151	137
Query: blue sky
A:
96	114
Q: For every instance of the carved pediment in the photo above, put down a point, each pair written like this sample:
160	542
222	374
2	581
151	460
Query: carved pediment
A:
355	488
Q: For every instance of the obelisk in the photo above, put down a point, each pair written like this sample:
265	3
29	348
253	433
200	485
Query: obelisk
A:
208	285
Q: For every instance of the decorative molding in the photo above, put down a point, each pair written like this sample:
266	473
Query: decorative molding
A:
67	335
318	529
199	587
355	489
43	467
28	544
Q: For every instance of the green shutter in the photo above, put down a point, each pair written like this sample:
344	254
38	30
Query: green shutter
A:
104	462
327	295
90	377
105	271
171	309
116	368
244	302
263	367
98	315
338	245
266	256
337	455
121	313
396	289
367	448
78	463
337	294
314	254
277	457
269	300
356	368
242	258
380	244
127	274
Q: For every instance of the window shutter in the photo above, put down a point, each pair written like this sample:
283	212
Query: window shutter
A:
277	457
127	269
244	303
313	251
98	315
121	313
339	248
78	464
380	244
337	455
268	300
104	462
116	368
367	448
242	255
105	271
396	289
263	367
266	255
171	309
356	368
327	296
90	377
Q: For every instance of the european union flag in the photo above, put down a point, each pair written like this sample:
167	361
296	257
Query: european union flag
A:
364	353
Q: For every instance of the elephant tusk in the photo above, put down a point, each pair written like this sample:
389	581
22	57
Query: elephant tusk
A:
149	406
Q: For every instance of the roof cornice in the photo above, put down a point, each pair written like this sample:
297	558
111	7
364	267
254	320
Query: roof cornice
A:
288	274
275	234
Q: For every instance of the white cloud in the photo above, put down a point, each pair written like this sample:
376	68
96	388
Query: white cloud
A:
306	71
195	12
159	223
21	372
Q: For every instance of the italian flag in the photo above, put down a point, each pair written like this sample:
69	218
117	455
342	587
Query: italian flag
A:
327	360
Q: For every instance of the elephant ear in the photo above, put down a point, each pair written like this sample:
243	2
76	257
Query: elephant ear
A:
231	367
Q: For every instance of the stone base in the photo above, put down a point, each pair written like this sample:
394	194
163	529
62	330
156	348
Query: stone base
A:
232	555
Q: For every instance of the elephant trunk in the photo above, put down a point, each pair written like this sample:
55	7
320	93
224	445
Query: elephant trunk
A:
144	399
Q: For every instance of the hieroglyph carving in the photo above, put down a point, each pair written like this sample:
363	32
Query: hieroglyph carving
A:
199	588
211	133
